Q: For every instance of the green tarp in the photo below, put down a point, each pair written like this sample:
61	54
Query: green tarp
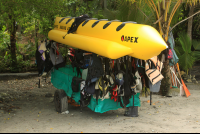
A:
62	78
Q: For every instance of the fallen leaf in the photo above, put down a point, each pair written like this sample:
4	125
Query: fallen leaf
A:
153	104
81	132
8	118
148	101
27	130
38	115
91	117
169	104
117	115
51	128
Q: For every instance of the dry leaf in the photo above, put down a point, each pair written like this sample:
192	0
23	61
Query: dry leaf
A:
148	101
8	118
51	128
117	115
81	132
27	130
153	104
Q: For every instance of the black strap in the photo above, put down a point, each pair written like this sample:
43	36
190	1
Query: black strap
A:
97	92
107	70
151	72
155	77
118	66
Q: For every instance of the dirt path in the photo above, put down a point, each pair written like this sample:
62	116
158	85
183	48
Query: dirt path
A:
37	113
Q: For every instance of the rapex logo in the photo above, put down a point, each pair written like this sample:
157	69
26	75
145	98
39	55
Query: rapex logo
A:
129	38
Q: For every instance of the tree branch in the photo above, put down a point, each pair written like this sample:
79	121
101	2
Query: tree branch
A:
184	20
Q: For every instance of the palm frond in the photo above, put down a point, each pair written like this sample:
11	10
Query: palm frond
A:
186	61
196	55
196	44
185	42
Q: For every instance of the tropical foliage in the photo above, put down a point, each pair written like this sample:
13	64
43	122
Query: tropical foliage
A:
184	47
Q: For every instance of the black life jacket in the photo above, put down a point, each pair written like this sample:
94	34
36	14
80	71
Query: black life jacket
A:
128	80
95	69
43	65
78	60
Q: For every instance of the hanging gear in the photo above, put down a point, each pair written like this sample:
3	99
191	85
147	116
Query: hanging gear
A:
43	61
56	57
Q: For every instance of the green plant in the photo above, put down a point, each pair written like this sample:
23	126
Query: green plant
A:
4	39
187	57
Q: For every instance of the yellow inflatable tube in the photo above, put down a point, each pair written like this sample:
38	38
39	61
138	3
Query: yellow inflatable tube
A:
111	39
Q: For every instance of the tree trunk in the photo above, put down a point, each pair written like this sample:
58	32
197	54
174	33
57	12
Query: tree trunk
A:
12	30
190	20
166	81
36	32
189	28
105	4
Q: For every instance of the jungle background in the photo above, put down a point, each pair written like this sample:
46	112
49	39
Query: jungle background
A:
24	23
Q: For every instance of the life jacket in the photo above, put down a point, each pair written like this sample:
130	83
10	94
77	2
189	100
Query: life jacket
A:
43	60
128	92
78	59
152	72
76	84
105	83
84	96
140	67
56	56
95	69
156	62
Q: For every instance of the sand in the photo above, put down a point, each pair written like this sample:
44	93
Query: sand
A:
177	114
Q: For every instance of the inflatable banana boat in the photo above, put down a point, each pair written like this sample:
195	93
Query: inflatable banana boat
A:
111	39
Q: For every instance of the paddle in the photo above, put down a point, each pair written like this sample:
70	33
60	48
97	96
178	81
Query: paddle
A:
187	93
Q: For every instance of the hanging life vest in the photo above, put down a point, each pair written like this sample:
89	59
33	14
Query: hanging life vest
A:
43	60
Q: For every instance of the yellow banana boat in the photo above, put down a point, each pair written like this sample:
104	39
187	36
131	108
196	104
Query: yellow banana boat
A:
111	39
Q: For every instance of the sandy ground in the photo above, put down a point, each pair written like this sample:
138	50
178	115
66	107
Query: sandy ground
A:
37	113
